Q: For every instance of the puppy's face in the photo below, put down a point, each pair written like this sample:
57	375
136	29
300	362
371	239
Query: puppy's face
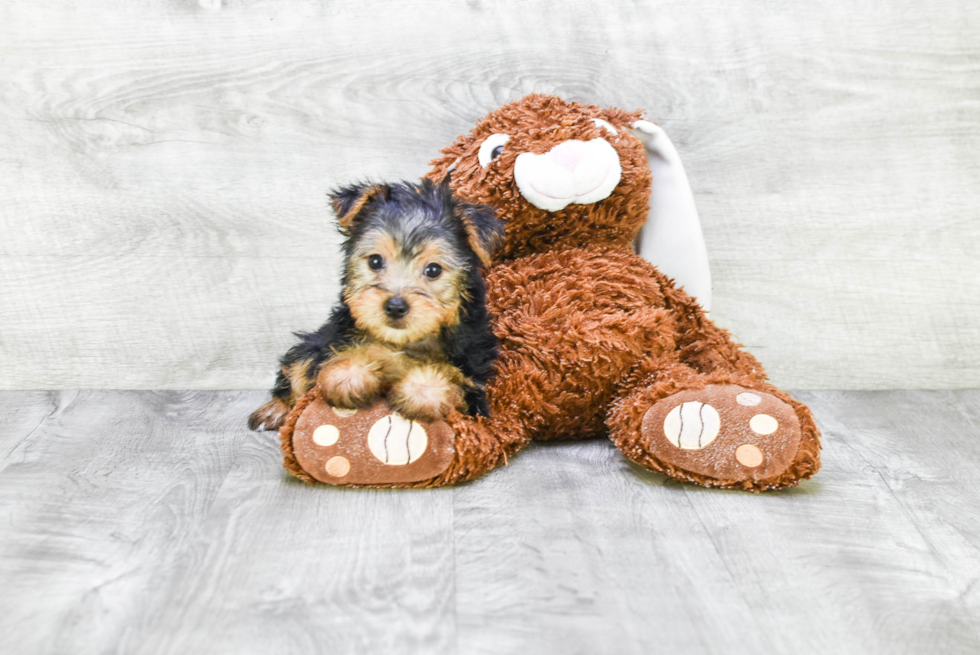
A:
412	252
401	290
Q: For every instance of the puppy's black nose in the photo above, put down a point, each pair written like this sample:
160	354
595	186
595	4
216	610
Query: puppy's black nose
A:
396	307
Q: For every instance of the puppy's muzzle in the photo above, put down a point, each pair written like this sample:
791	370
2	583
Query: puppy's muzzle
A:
396	308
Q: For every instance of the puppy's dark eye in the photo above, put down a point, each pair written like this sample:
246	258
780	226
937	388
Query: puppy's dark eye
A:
376	262
432	271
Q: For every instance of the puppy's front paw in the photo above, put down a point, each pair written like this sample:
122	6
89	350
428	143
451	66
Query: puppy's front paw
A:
426	394
350	384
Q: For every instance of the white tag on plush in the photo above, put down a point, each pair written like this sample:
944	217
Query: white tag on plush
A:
672	239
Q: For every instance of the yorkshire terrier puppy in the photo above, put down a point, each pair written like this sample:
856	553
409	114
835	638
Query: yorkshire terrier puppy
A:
412	321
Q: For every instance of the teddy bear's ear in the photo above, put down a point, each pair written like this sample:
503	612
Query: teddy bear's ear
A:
672	239
347	202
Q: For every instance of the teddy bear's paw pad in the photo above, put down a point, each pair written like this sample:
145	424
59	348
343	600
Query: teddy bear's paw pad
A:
369	446
723	431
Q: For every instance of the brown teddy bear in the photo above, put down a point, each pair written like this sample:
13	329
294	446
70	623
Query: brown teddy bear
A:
594	341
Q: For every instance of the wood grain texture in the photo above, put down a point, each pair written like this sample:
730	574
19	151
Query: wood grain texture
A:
163	165
145	522
24	413
153	522
879	554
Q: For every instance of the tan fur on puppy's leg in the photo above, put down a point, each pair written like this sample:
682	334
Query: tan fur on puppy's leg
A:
428	393
353	379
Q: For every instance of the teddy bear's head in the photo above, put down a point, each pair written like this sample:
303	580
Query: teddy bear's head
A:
560	174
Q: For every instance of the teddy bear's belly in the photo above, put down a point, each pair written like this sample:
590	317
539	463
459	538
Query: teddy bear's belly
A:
584	318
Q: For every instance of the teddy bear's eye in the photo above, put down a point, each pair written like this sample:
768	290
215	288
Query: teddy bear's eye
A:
492	148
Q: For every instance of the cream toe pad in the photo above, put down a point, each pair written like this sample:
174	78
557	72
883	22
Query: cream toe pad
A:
326	435
763	424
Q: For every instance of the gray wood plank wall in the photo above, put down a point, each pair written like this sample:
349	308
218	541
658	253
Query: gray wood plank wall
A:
163	166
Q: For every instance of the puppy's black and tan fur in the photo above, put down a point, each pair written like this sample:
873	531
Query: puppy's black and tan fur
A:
412	321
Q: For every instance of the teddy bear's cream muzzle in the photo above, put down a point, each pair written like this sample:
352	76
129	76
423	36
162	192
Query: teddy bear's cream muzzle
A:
572	172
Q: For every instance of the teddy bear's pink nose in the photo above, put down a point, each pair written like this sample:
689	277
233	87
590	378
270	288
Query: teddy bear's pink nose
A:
568	154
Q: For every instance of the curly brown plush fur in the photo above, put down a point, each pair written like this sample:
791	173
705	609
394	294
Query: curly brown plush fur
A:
593	339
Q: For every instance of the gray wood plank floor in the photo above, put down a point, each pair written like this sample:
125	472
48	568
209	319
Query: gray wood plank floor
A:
154	522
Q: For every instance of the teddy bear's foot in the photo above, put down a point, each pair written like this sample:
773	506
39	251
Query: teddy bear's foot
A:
371	446
722	435
376	447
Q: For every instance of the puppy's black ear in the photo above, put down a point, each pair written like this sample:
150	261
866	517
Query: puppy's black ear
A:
484	231
347	202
